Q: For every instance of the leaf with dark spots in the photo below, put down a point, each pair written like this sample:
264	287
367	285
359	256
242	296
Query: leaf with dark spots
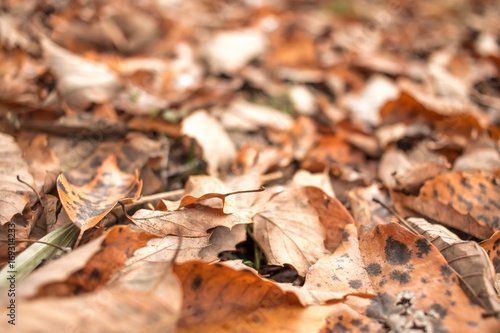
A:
373	269
88	267
409	278
467	201
214	293
96	198
396	253
423	247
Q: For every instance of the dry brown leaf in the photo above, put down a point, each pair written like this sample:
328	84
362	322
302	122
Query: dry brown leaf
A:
492	248
215	292
332	152
461	256
365	211
332	214
411	179
79	273
404	266
43	163
188	222
223	239
206	190
86	204
343	270
289	230
462	200
392	162
80	81
14	195
319	180
149	301
218	149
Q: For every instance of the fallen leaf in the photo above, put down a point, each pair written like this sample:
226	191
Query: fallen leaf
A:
188	222
214	292
332	214
14	195
343	270
462	200
404	266
79	273
80	81
206	190
229	51
319	180
86	204
461	256
289	230
218	149
151	306
332	152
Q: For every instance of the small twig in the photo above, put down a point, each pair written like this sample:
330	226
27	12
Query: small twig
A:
399	217
31	187
19	240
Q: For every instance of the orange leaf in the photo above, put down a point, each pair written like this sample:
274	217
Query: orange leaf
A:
86	204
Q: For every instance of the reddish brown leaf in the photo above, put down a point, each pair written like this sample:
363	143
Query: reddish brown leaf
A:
462	200
332	214
86	204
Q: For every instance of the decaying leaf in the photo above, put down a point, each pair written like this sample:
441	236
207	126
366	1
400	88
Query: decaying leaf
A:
461	256
86	204
218	149
80	272
14	195
152	306
462	200
289	230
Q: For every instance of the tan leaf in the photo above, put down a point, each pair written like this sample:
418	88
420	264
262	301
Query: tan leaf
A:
218	149
188	222
289	231
14	195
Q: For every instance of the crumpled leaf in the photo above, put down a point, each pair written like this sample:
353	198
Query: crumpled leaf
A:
461	200
14	195
218	149
461	256
289	230
86	204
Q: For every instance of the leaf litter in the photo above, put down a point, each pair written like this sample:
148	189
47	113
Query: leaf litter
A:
181	110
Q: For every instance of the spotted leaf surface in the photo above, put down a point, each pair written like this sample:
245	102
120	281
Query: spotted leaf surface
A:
88	203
